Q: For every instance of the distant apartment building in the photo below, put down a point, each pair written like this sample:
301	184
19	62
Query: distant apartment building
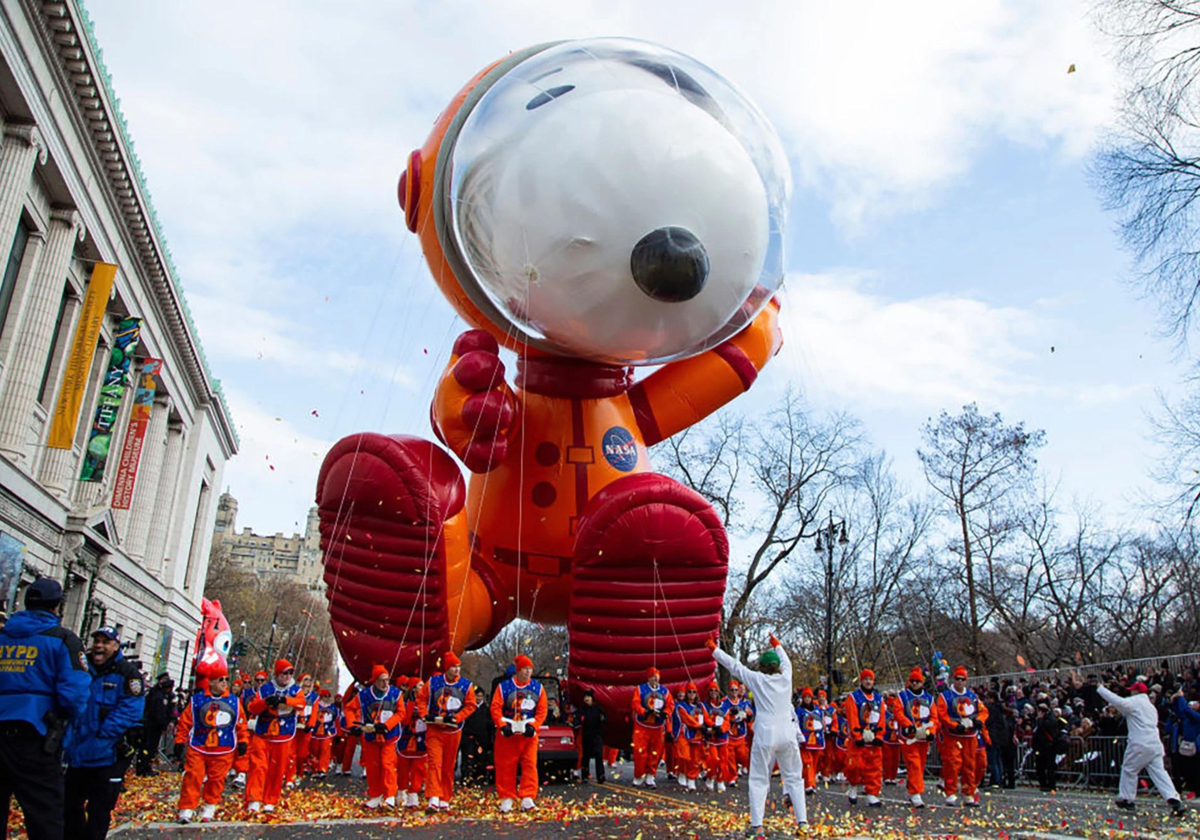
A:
296	557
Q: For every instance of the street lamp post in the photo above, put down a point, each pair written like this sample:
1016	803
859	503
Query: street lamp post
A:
835	530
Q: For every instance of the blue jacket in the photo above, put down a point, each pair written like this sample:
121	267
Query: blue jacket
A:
1189	721
42	669
116	704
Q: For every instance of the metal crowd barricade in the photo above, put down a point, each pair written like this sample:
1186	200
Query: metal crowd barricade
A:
1088	763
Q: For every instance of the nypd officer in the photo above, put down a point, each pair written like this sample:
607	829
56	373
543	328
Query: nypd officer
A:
43	685
98	747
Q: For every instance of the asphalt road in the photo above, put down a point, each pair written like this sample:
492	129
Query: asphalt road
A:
618	810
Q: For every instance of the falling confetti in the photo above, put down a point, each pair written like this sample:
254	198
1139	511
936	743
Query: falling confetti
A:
1071	69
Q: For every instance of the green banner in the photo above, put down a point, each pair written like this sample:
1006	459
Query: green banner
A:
116	378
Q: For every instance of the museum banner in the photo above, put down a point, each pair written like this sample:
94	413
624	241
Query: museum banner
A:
125	343
79	362
135	434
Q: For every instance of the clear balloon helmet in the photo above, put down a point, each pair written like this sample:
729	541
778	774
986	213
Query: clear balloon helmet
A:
616	201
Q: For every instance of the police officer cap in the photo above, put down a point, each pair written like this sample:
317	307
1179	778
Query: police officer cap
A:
43	593
107	632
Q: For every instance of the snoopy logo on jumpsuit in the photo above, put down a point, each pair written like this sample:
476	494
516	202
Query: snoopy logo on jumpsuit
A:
589	207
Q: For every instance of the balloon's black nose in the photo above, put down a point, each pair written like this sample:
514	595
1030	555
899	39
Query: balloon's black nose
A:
670	264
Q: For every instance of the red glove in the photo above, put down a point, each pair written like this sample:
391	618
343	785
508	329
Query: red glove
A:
711	642
474	409
774	641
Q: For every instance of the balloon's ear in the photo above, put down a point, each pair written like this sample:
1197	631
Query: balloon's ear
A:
409	190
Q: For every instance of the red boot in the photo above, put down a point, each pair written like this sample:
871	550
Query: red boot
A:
649	580
383	503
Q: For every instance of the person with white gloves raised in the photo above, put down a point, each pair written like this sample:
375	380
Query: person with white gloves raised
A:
774	729
1144	750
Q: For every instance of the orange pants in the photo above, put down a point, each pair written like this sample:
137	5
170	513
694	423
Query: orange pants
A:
739	751
441	748
410	773
915	757
205	772
670	756
717	762
299	760
693	757
864	766
268	762
981	765
647	750
513	751
322	752
811	759
958	761
611	754
348	754
241	763
379	760
891	761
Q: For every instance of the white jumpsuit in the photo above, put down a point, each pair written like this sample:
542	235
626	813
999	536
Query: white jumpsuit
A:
774	734
1145	749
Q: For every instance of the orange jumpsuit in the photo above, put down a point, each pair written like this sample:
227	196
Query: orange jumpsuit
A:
269	750
691	715
324	727
518	707
349	739
652	709
213	727
410	767
959	718
984	740
865	713
455	702
716	741
812	741
830	760
298	762
916	711
379	751
241	763
891	738
739	735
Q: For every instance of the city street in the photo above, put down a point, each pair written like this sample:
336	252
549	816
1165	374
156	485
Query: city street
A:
618	810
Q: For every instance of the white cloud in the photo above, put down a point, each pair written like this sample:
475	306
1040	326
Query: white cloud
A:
277	467
936	350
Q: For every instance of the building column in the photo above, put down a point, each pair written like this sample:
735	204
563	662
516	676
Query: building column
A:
145	490
23	146
34	332
164	501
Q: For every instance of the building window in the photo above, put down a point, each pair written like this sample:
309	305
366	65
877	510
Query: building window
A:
55	339
15	255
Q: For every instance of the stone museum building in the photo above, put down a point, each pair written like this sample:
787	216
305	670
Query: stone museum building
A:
113	432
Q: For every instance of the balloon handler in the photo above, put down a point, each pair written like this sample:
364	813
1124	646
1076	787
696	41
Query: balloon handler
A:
213	725
774	729
589	207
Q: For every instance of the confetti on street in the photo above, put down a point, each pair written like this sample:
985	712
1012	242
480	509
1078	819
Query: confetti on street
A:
334	808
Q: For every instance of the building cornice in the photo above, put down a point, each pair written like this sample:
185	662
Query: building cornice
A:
68	41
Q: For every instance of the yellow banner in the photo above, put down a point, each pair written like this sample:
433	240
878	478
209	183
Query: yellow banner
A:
83	350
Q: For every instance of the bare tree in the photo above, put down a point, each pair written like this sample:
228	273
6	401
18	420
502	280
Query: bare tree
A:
768	482
1149	169
975	462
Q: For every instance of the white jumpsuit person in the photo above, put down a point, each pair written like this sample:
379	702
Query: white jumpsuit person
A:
774	734
1145	749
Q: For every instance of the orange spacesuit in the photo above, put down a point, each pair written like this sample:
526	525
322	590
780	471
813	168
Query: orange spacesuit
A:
866	718
276	705
553	525
444	702
213	725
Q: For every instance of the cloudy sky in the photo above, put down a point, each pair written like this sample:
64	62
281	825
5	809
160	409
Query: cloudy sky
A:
946	245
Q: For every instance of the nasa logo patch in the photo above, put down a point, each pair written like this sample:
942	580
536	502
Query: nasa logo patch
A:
619	448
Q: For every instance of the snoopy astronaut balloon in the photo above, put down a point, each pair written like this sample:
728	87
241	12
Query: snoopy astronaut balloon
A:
592	207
